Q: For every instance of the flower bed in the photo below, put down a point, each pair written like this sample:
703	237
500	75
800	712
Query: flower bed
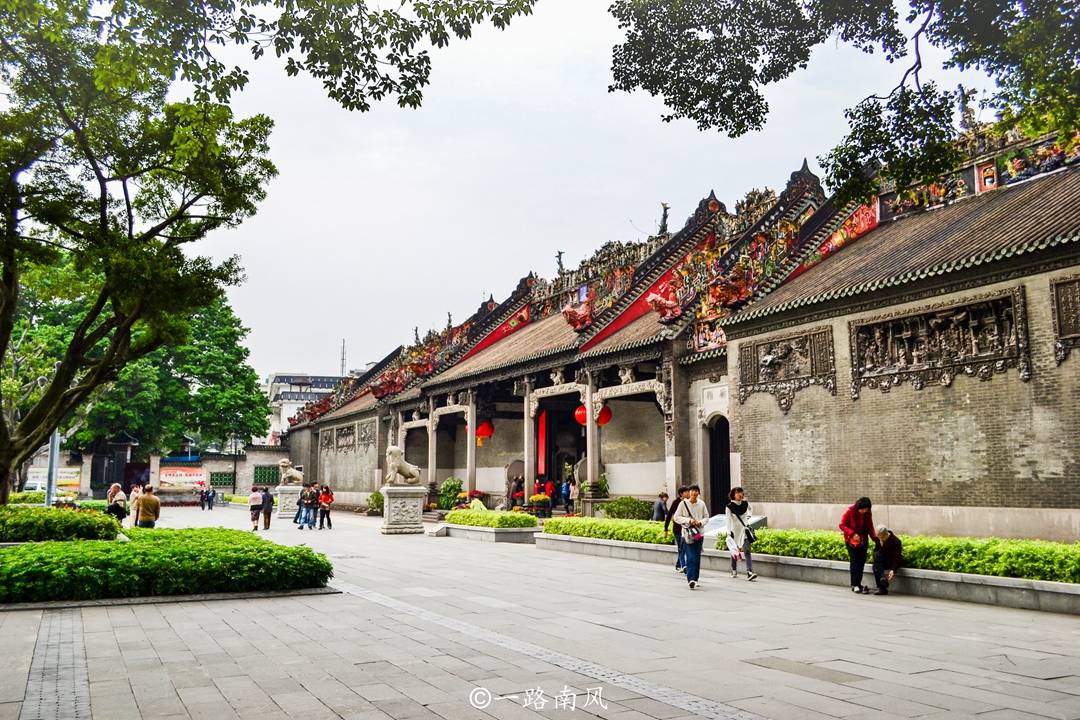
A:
490	518
157	562
627	508
1030	559
642	531
37	524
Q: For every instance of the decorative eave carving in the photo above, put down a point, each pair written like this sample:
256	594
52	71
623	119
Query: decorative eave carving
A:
782	366
1065	311
532	401
933	345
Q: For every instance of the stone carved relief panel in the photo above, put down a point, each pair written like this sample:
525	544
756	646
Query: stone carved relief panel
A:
1065	308
326	441
365	436
785	365
405	510
345	440
980	337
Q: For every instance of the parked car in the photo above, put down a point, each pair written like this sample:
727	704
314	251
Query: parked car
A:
34	486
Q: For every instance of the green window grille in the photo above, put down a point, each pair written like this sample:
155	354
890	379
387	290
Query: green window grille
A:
267	474
221	479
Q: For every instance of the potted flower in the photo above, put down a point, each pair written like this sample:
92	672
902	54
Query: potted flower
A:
542	504
517	500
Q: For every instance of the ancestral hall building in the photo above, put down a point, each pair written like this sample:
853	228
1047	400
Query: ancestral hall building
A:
921	349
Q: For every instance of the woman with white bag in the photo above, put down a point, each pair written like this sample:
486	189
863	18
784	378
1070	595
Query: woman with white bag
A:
740	536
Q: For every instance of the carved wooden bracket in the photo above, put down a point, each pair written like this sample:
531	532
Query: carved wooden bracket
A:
532	401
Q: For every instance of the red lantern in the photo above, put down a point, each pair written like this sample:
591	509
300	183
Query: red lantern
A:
483	431
603	419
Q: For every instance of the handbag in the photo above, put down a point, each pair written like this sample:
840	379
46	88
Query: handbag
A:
750	535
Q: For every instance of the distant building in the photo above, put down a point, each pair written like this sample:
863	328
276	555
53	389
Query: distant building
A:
288	392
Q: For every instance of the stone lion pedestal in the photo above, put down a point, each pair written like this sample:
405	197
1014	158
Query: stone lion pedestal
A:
288	497
403	509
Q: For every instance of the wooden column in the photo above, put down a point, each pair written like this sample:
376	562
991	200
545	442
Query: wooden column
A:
470	447
400	425
529	439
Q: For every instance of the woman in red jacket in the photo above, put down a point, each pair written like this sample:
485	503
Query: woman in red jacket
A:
857	524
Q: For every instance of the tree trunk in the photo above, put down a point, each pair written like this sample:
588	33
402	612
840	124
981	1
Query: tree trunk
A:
8	473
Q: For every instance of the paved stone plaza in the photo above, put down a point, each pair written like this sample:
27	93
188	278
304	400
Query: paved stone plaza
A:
485	622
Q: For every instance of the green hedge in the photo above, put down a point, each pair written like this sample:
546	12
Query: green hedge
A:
1030	559
628	508
157	562
375	502
491	518
37	524
643	531
98	505
33	497
243	499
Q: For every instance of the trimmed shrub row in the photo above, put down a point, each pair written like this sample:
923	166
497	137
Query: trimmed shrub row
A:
643	531
38	524
33	497
157	562
491	518
628	508
1029	559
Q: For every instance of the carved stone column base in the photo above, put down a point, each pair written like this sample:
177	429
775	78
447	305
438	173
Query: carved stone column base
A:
403	509
288	497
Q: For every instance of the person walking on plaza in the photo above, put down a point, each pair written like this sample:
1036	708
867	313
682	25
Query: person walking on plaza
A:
887	559
549	490
740	536
326	499
572	502
201	492
255	500
692	514
136	493
148	508
564	493
676	529
309	501
857	524
267	507
660	507
211	497
300	506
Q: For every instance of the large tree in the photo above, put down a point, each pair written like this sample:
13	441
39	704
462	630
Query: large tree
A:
202	388
709	61
97	164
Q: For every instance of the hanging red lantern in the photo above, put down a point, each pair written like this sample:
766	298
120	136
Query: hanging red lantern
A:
483	431
582	417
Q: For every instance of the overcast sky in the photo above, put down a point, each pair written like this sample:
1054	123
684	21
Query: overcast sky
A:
382	221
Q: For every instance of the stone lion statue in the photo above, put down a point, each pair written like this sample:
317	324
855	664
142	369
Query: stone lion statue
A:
397	465
287	474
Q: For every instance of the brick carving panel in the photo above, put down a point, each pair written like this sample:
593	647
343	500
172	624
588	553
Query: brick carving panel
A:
366	436
345	441
785	365
326	441
981	337
1065	299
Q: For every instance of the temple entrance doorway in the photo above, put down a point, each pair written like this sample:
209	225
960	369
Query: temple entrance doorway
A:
560	440
719	432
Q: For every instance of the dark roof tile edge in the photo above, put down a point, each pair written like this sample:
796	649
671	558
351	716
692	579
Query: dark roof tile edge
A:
941	269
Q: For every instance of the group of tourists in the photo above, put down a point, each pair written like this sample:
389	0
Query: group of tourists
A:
857	525
207	497
565	494
143	506
688	514
260	503
315	500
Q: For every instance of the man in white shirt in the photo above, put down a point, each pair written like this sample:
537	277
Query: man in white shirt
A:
692	514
